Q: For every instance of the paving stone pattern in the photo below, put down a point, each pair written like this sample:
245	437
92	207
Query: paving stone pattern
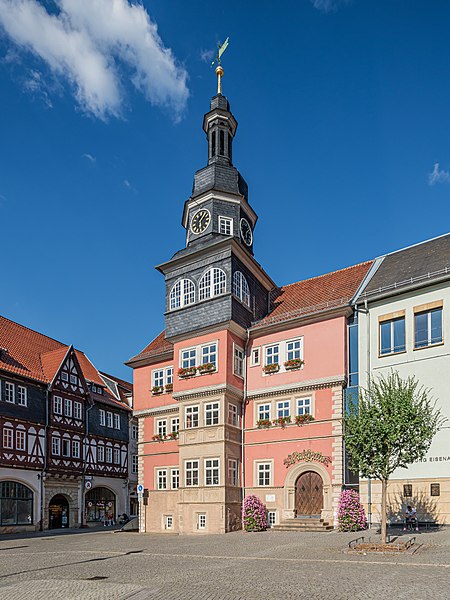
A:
263	566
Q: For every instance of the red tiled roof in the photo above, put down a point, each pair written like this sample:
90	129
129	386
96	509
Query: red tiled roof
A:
316	294
36	356
157	346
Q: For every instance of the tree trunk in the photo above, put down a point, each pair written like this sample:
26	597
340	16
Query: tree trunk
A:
383	509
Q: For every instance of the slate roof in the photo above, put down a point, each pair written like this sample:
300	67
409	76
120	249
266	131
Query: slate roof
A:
36	356
318	294
157	346
413	266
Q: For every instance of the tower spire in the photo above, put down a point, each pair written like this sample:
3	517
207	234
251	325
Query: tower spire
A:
219	73
219	70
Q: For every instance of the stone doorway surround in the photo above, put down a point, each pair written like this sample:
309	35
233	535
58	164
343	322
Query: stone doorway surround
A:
69	488
292	475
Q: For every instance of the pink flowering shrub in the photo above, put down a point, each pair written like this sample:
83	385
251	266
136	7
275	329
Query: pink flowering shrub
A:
350	514
254	517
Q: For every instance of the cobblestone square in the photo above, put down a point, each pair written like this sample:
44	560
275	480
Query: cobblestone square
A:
273	565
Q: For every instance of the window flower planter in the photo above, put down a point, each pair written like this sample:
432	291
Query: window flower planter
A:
157	389
158	438
274	368
173	435
206	368
282	421
294	363
187	372
169	388
264	423
302	419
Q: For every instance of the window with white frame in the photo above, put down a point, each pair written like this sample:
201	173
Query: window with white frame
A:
212	413
20	439
169	375
264	473
116	421
75	449
99	390
188	358
108	454
7	438
9	392
233	473
161	427
225	225
392	336
263	411
168	522
213	283
57	405
102	415
191	415
175	478
255	357
273	354
56	445
272	518
428	327
238	363
77	410
116	456
283	408
208	354
109	419
233	418
73	379
212	471
64	376
182	294
101	453
158	378
191	473
21	395
294	349
175	424
161	479
303	406
134	432
65	447
134	464
67	407
240	288
201	521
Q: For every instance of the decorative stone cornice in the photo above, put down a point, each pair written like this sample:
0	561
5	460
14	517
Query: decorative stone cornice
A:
211	390
311	384
157	410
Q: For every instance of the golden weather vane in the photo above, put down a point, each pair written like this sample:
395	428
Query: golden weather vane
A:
219	70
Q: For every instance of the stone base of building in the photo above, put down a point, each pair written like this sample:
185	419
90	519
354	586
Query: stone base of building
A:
429	507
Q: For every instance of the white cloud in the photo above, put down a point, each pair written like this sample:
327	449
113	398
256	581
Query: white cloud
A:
438	175
37	85
327	6
89	157
207	55
95	45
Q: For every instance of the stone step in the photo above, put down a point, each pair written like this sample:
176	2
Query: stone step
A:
303	525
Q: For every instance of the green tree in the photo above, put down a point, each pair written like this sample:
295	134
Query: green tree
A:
391	426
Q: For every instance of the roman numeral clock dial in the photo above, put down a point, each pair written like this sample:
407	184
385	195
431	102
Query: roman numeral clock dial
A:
200	221
246	232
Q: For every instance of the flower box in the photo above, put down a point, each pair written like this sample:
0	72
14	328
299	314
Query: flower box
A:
158	438
173	435
282	421
271	368
294	363
206	368
157	389
264	423
187	372
169	388
302	419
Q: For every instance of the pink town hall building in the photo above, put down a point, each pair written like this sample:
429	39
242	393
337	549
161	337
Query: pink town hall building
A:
244	391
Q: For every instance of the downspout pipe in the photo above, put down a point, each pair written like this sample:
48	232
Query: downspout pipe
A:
85	451
44	468
243	411
369	482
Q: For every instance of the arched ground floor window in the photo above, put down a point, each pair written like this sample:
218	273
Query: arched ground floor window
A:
100	505
16	504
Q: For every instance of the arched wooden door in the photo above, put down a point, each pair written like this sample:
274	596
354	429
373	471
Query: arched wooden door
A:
309	494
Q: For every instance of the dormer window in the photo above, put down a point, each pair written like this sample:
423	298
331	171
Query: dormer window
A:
240	288
182	294
213	283
225	225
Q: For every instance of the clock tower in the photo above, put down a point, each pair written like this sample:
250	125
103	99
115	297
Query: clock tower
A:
215	279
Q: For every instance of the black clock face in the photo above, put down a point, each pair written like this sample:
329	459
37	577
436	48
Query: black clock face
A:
246	232
200	221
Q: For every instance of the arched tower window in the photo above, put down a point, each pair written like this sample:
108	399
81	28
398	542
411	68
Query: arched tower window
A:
240	288
213	143
213	283
182	294
222	142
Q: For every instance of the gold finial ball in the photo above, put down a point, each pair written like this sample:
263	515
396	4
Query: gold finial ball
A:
219	70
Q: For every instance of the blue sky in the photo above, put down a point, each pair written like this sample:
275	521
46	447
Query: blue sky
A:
343	137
